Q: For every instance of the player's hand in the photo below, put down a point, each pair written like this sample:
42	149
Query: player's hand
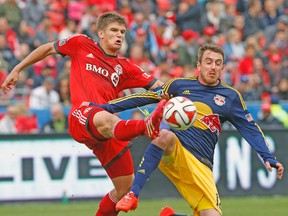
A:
10	82
85	103
164	96
278	166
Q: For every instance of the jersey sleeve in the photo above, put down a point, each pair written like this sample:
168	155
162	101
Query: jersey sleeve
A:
171	87
245	124
69	45
131	101
136	77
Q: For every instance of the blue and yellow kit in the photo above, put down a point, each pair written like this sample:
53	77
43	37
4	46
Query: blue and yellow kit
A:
215	105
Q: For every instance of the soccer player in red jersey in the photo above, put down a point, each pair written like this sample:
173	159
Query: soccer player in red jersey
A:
98	75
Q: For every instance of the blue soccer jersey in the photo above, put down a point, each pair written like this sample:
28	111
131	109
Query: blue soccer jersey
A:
215	105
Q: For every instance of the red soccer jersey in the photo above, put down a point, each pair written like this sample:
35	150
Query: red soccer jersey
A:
96	76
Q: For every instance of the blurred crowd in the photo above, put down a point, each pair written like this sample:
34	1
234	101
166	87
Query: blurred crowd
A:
163	37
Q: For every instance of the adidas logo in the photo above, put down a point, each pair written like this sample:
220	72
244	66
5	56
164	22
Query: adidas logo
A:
90	55
187	92
142	171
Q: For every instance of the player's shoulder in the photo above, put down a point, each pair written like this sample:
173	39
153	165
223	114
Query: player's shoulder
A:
81	38
179	80
229	89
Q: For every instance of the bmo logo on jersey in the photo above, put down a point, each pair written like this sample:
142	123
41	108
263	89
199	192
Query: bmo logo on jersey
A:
115	76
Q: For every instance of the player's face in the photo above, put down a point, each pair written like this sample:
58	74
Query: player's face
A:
210	67
112	38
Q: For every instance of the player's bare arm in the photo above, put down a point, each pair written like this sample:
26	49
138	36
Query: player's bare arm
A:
35	56
279	167
156	84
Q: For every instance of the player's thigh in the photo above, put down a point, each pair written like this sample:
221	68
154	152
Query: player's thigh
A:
105	122
166	141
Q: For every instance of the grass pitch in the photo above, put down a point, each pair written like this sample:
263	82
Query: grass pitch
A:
248	206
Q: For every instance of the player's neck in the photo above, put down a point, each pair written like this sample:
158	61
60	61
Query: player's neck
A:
106	50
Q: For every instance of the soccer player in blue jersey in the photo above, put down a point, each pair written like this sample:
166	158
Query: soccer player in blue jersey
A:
186	157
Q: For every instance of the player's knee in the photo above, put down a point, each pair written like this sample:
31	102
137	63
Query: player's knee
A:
104	123
165	140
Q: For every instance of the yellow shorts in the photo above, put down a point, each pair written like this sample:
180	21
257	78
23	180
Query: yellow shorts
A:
193	179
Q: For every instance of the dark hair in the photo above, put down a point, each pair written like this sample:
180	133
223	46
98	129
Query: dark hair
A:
109	17
210	47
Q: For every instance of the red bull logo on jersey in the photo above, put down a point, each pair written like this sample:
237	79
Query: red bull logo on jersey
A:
212	122
219	100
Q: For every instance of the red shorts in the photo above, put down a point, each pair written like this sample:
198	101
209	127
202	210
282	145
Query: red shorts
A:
81	129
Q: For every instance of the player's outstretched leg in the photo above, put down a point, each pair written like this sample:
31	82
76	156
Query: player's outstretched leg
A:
153	121
127	203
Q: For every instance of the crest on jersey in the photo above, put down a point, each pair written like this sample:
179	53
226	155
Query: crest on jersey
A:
219	100
62	42
118	69
115	77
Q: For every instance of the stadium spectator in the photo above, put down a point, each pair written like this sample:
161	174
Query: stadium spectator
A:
276	69
91	31
234	47
24	50
58	122
141	32
33	12
8	120
253	18
245	66
187	49
227	18
189	15
238	24
6	52
75	10
282	88
213	15
10	36
271	13
126	11
65	70
57	13
38	79
104	6
145	7
70	29
266	120
270	31
25	33
44	96
262	77
12	12
137	57
63	91
90	15
44	33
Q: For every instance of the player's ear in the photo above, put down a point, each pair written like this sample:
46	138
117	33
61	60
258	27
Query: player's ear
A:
198	65
100	34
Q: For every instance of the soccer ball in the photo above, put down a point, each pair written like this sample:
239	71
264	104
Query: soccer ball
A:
179	113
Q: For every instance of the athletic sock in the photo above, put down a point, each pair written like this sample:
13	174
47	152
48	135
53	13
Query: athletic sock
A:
148	164
126	130
107	206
